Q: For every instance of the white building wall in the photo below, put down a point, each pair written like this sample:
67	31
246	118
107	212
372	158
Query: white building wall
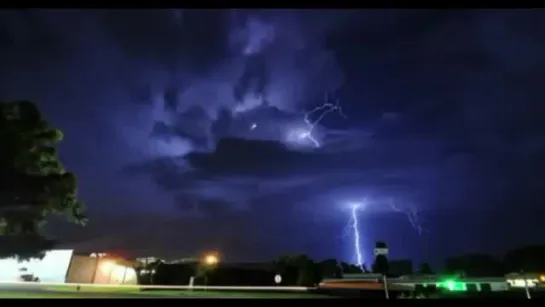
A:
52	268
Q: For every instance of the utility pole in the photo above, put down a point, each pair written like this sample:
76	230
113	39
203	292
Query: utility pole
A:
381	265
526	287
386	293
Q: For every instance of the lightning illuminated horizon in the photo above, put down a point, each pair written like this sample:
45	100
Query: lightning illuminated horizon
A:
353	224
326	108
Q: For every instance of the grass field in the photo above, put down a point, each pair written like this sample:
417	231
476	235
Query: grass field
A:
30	295
71	291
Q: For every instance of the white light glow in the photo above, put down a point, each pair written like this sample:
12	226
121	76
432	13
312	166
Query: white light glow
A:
250	102
52	268
300	136
521	283
211	259
116	273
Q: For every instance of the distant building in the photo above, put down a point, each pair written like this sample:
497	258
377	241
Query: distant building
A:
100	268
471	284
417	283
526	280
66	266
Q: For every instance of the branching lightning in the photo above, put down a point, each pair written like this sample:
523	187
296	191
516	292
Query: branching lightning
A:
353	224
324	109
412	216
352	227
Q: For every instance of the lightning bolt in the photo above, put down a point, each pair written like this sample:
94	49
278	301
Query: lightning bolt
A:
352	227
324	109
355	228
352	230
412	215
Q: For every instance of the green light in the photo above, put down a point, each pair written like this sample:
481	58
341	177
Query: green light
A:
452	285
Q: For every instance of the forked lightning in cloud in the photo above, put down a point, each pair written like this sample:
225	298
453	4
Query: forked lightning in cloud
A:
324	109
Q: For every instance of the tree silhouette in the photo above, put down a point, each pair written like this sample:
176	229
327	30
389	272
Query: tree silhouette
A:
329	268
34	184
526	259
425	269
298	269
401	267
475	265
348	268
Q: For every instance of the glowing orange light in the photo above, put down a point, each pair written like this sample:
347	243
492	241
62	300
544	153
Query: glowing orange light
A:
211	259
542	278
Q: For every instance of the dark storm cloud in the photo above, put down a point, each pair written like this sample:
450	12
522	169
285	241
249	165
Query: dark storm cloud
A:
455	121
253	78
242	174
191	124
444	111
167	41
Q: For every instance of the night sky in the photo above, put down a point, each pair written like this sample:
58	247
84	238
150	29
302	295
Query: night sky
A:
443	122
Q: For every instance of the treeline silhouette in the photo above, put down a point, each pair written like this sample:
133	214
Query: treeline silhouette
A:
301	270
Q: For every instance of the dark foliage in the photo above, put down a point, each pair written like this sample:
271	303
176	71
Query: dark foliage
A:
34	182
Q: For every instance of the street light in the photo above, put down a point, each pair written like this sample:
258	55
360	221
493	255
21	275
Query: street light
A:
211	260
